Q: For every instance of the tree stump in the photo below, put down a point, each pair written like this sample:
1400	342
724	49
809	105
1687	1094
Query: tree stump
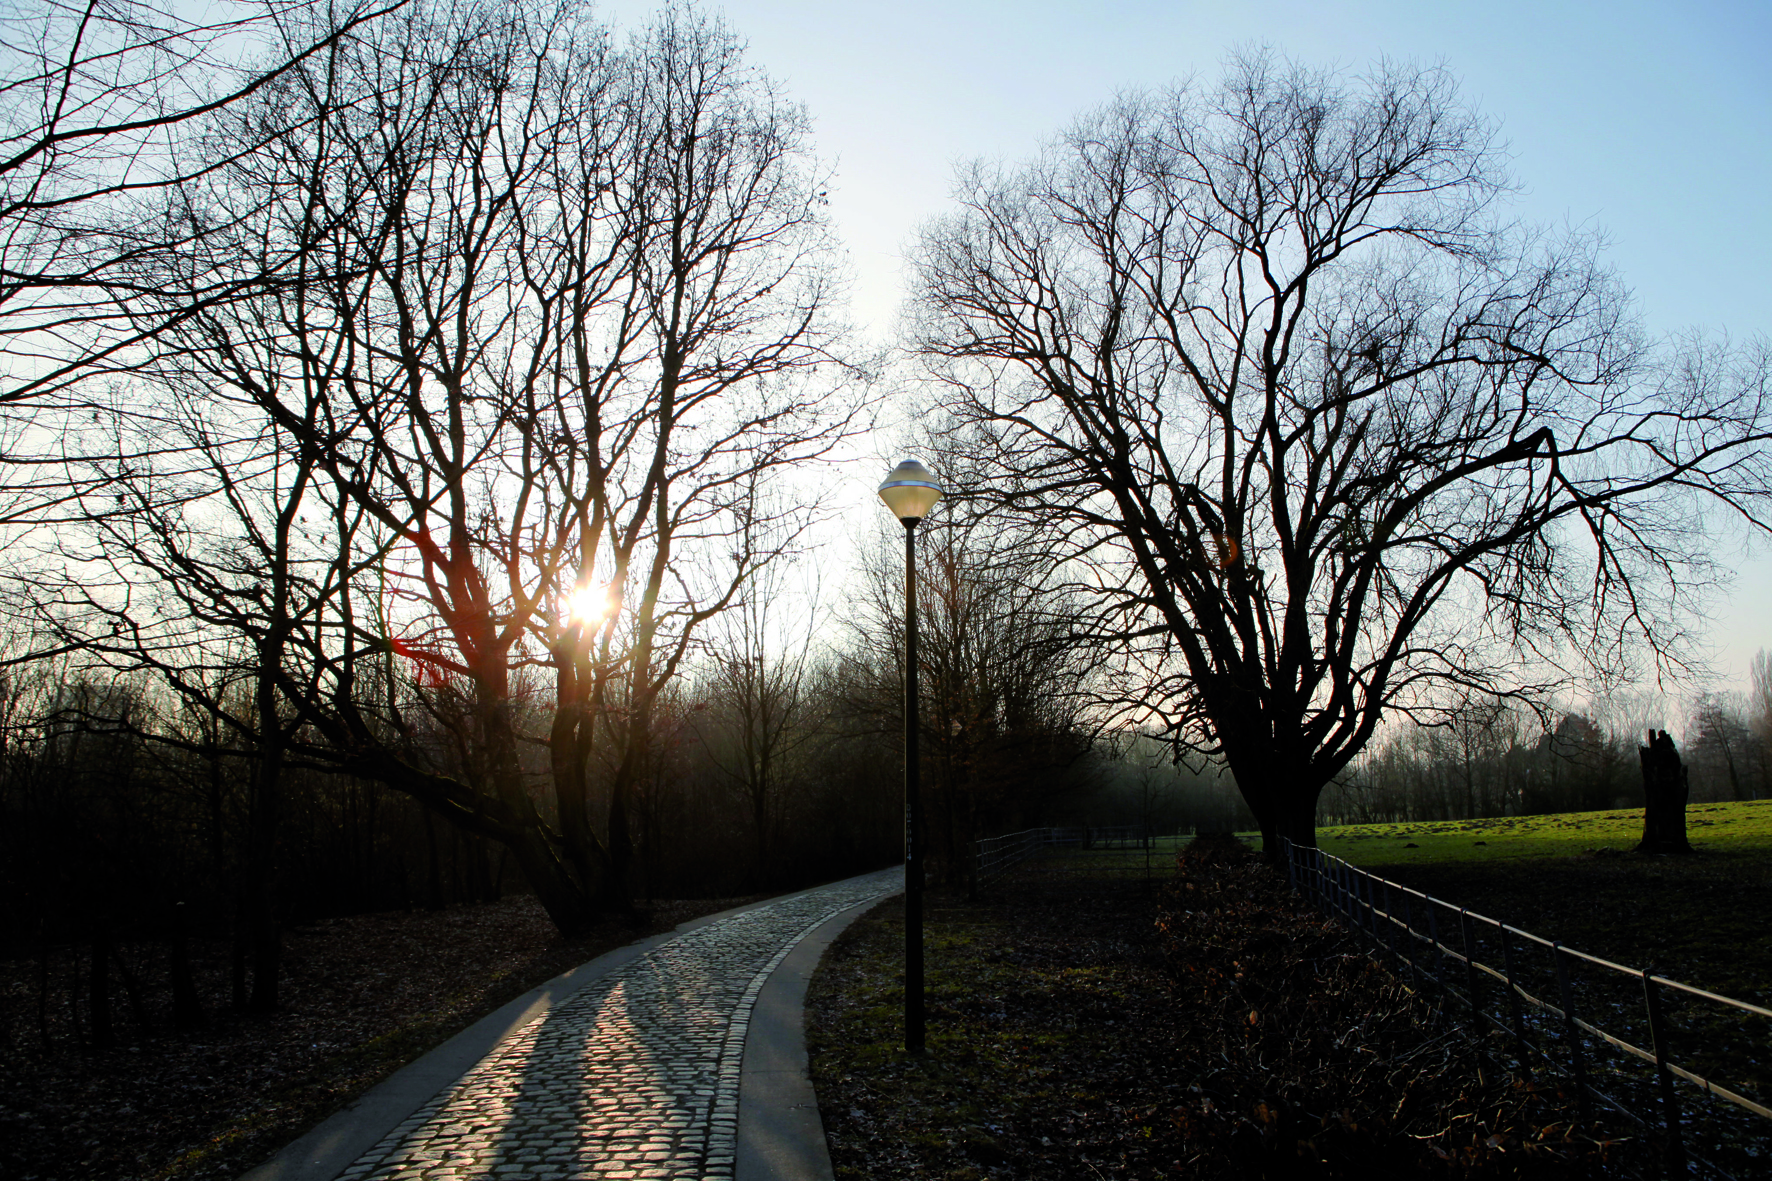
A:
1664	796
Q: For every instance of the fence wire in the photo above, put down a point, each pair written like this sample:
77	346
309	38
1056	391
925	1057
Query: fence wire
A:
1548	1000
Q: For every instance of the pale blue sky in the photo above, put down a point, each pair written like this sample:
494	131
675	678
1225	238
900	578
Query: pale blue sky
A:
1652	122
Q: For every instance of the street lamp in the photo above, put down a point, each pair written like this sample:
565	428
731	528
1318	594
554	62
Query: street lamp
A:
910	492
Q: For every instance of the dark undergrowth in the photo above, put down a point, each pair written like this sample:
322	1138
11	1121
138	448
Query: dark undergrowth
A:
1087	1026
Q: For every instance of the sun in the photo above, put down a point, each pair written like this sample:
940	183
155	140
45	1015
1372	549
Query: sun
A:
590	604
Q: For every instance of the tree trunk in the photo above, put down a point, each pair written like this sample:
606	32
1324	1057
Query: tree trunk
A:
1285	805
1665	793
187	1007
435	877
263	940
237	961
573	904
760	827
99	1000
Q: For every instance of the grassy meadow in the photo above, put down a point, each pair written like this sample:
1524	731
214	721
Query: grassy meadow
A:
1725	828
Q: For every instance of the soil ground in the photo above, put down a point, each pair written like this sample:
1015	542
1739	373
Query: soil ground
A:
361	997
1087	1025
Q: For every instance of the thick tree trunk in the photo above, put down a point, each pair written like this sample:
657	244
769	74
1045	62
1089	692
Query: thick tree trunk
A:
434	878
1664	796
622	788
760	829
264	941
574	904
1284	801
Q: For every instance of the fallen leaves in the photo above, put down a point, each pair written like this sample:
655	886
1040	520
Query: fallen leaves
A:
1221	1030
361	997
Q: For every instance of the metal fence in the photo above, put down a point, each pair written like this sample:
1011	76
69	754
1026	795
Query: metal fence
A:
1477	961
995	856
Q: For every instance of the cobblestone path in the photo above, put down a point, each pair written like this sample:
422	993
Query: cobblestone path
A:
634	1076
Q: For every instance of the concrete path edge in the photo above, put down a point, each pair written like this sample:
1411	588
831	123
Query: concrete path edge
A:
780	1134
338	1141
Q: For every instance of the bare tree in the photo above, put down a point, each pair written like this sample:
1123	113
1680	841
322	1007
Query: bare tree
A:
763	708
1724	750
215	553
548	315
95	103
1759	715
1329	437
1008	690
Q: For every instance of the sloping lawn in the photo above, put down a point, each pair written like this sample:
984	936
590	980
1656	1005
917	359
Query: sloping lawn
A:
1705	919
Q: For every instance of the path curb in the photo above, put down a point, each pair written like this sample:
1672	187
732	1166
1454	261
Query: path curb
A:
780	1134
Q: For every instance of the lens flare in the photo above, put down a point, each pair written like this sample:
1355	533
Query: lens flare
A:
590	604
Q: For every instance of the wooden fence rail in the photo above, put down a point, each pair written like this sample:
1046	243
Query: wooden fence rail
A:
995	856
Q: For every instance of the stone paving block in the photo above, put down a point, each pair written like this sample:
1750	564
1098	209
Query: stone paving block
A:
634	1076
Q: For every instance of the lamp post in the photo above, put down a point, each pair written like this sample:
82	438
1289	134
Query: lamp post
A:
910	492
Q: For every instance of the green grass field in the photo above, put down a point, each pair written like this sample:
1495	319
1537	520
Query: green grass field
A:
1744	827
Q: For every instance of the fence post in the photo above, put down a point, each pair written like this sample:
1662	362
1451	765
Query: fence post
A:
1384	941
1363	900
1405	936
1670	1107
1470	967
1576	1059
1439	960
1291	869
1388	941
1390	925
1513	997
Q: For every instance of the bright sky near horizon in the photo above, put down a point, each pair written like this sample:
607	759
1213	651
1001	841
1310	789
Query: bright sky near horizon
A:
1651	122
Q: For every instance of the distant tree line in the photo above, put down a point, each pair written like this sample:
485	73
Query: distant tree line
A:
1504	761
776	762
1490	759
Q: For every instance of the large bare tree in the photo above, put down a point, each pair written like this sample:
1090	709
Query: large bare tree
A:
1326	438
542	315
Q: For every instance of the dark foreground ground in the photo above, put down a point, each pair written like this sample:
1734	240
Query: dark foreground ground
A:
1083	1026
1704	918
361	996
